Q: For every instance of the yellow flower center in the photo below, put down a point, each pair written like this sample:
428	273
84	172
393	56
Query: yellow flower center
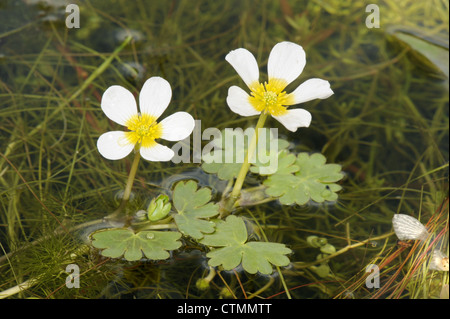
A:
144	130
270	97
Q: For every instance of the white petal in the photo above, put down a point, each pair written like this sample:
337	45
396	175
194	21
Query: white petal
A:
118	104
114	145
407	227
245	65
155	96
312	89
157	153
238	102
286	61
439	261
294	119
177	126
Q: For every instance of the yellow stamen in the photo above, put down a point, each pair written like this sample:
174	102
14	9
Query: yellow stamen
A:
270	97
143	130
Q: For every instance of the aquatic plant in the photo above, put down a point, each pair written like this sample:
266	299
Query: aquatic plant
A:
196	215
119	105
386	125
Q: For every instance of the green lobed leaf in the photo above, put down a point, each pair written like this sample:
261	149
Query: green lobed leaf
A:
328	249
285	164
225	171
314	180
228	168
193	208
152	244
323	270
231	237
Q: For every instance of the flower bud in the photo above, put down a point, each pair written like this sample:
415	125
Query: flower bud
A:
159	208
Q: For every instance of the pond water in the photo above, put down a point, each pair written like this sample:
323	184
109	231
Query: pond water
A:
386	125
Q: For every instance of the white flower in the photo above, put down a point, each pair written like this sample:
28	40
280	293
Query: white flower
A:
119	105
286	63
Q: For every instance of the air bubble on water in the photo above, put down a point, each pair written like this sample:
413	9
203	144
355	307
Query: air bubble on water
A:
121	34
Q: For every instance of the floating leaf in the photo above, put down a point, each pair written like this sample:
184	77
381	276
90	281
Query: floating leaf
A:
231	236
284	164
193	207
230	150
153	244
328	249
228	154
225	171
314	180
323	270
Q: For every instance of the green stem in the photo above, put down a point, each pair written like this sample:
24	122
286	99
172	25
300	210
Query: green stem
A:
286	289
129	186
133	170
244	168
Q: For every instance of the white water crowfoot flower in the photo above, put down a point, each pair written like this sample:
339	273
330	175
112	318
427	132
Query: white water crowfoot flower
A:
286	63
119	105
